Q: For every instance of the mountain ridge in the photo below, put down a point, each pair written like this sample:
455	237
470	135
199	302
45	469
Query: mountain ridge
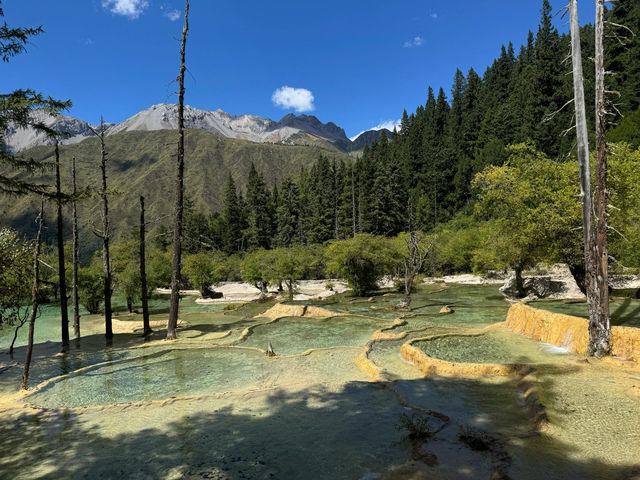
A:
139	163
164	116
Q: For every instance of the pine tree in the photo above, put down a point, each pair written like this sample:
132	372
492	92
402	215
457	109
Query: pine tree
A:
623	53
321	222
287	214
233	216
346	205
259	219
16	109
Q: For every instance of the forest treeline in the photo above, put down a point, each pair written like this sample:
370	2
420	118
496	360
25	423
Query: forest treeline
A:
429	164
487	175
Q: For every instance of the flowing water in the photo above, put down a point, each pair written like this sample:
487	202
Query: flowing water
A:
213	405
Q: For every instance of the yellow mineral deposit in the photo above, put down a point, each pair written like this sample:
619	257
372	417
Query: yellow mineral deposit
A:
569	332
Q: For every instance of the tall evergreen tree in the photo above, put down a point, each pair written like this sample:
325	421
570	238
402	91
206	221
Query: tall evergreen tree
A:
321	222
287	214
233	216
258	215
16	109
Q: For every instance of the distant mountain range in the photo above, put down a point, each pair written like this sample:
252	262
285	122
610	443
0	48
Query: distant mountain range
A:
290	130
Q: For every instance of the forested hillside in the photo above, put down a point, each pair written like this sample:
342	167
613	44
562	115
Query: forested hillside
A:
308	195
141	163
429	164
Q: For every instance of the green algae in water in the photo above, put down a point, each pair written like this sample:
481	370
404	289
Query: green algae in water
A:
292	335
624	312
491	347
156	375
162	373
313	416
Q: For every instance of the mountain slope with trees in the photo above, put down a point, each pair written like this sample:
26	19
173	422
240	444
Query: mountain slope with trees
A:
139	165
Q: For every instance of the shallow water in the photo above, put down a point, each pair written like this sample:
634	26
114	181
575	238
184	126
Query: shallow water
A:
624	312
292	335
496	346
212	405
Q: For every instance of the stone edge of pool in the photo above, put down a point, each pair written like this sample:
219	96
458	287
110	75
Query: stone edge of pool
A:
570	332
557	329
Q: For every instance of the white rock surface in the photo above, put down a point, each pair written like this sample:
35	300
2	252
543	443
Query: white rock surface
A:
164	116
18	139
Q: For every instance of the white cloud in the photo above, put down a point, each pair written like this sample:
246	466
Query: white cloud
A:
173	15
300	99
414	42
389	125
433	15
127	8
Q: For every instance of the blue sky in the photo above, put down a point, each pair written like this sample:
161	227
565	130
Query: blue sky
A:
362	61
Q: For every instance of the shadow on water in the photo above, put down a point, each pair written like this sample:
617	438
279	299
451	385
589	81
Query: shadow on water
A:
314	431
626	313
309	433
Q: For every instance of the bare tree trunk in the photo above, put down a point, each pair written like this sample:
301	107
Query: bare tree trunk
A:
599	322
408	287
583	160
414	262
179	205
62	282
106	261
74	295
15	333
143	272
519	282
34	299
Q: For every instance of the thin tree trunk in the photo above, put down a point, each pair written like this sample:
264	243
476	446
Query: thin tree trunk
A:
519	282
290	288
583	159
106	261
34	299
62	282
408	287
143	272
599	322
74	297
179	205
15	333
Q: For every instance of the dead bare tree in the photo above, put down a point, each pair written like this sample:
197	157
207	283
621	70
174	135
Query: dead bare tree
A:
74	295
599	321
104	234
62	282
583	156
418	249
34	299
594	225
143	273
179	204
